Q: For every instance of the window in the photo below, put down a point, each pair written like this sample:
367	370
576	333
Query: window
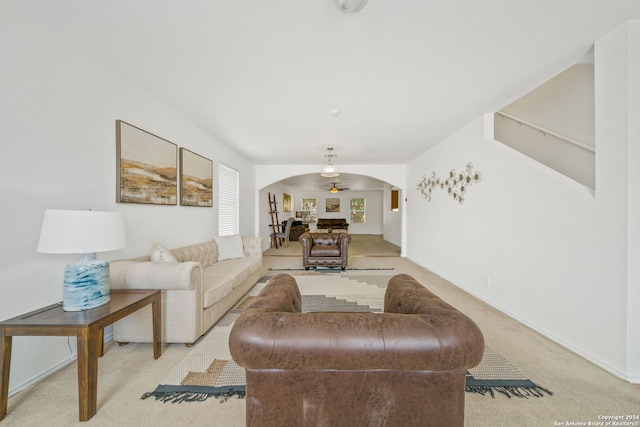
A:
309	213
228	201
356	210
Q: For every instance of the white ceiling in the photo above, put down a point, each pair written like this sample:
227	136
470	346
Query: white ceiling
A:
265	76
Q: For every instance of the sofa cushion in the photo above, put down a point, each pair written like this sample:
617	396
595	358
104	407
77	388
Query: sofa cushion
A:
252	264
215	287
325	251
229	247
237	269
252	246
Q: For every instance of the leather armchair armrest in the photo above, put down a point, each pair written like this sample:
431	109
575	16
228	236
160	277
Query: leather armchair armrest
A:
343	243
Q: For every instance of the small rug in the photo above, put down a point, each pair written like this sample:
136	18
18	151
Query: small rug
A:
497	374
206	371
209	371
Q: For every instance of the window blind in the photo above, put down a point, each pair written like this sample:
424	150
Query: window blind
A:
228	201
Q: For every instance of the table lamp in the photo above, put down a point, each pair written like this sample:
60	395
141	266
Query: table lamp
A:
85	232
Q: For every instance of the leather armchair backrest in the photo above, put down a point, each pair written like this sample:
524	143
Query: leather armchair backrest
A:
272	333
325	239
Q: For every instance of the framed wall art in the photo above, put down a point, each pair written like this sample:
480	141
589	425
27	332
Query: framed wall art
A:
286	202
196	179
332	204
147	167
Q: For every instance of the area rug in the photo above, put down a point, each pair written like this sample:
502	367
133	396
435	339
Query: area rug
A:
497	374
209	371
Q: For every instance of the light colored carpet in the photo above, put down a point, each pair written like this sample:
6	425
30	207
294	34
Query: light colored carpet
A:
582	391
208	370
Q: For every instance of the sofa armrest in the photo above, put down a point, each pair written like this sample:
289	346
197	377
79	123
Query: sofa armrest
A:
161	275
117	271
252	246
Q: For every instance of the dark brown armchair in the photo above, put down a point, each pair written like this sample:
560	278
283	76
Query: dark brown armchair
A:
325	249
405	367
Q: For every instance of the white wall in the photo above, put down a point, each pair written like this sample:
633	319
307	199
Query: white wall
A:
58	109
564	104
534	243
392	227
633	297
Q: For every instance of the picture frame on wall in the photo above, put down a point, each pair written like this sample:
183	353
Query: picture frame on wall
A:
286	202
196	179
332	204
146	167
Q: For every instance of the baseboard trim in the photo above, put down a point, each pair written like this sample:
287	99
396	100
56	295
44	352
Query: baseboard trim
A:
599	363
55	368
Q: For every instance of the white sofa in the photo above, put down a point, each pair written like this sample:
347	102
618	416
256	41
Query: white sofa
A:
196	291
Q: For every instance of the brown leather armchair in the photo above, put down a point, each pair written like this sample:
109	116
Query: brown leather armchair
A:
404	367
325	249
297	228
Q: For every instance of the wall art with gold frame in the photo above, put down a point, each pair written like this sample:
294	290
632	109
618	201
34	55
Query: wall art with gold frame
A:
286	202
196	179
146	167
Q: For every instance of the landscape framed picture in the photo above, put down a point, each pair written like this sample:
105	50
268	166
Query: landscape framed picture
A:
332	204
147	167
196	179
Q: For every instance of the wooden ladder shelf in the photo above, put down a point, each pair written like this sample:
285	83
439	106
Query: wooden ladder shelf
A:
275	223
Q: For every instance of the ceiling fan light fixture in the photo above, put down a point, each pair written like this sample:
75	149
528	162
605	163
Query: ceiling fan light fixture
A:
334	189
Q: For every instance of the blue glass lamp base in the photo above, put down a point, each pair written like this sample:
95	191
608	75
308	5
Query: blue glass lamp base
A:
86	284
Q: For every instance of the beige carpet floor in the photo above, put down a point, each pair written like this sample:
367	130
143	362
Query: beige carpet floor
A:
370	245
582	391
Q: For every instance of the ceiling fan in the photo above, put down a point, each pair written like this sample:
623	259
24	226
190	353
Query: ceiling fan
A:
334	189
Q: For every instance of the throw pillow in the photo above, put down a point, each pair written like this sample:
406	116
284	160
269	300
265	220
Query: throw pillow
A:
229	247
161	254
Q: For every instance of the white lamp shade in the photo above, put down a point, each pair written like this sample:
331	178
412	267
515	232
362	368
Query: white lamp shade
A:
81	232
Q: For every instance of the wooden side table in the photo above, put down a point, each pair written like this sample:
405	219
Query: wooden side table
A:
88	326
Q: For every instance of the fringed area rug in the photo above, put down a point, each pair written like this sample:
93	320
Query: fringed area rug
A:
208	370
497	374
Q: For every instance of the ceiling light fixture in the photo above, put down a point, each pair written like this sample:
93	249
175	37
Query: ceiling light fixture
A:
329	170
334	189
349	6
